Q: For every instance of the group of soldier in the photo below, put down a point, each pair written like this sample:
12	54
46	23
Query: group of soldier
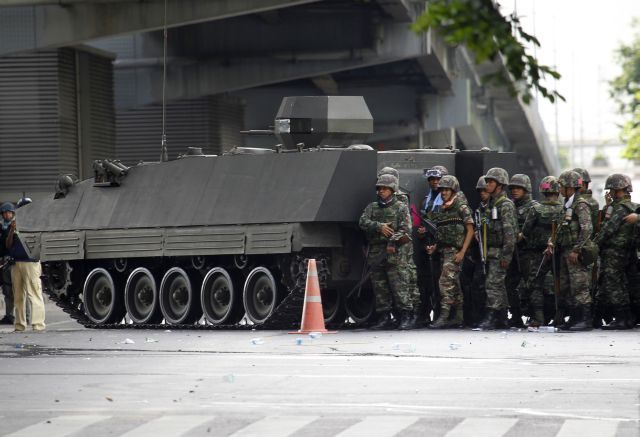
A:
561	261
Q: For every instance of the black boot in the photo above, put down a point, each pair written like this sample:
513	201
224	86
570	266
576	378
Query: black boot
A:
516	319
622	321
443	319
384	322
490	320
7	320
585	320
408	320
597	317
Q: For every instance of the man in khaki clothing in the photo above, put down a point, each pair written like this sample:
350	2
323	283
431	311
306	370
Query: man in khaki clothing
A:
25	277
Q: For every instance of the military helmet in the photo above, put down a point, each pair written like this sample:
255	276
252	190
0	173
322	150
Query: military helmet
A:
584	173
481	184
389	181
498	174
617	181
437	171
7	206
549	184
522	181
630	187
449	181
570	179
389	170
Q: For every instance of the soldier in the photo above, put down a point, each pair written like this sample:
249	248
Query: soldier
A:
520	267
418	251
501	240
573	235
536	232
386	224
616	244
455	231
429	265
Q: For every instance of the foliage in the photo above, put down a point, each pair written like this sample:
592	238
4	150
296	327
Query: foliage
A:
625	89
479	26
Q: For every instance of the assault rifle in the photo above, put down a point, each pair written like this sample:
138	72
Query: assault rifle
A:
370	266
554	259
481	236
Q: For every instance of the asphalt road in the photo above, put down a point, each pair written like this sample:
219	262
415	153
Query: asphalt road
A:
75	381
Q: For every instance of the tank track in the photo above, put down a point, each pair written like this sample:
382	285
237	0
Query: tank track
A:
285	316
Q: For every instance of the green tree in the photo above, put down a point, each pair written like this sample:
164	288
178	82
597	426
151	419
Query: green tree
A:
625	89
479	26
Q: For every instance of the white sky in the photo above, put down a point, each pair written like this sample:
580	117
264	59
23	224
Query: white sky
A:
579	37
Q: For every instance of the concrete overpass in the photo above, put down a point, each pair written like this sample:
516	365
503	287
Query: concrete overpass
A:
235	59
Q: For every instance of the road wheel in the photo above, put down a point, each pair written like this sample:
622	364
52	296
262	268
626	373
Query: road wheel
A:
260	295
177	301
141	297
102	299
220	301
361	306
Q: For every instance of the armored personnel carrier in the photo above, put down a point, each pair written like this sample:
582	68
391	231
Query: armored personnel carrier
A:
207	241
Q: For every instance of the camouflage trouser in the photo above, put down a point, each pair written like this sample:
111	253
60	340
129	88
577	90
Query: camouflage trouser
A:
633	282
450	291
394	288
495	281
575	280
536	283
516	280
612	287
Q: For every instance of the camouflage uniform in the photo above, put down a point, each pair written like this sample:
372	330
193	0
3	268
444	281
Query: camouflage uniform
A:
451	221
536	231
616	244
501	241
520	267
573	233
404	198
391	279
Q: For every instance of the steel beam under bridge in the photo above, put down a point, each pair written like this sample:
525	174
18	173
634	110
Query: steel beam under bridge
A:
35	27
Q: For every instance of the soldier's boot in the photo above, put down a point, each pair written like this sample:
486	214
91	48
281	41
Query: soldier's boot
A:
597	317
442	321
516	319
7	320
622	321
408	320
490	320
502	319
585	319
457	321
384	322
537	319
559	316
573	317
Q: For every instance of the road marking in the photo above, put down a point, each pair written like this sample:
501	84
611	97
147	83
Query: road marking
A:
472	427
588	428
275	426
380	426
168	426
58	426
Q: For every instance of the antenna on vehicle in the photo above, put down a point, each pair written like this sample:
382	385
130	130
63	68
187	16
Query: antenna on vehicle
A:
164	155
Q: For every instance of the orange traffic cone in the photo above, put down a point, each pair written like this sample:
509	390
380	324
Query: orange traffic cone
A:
312	316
